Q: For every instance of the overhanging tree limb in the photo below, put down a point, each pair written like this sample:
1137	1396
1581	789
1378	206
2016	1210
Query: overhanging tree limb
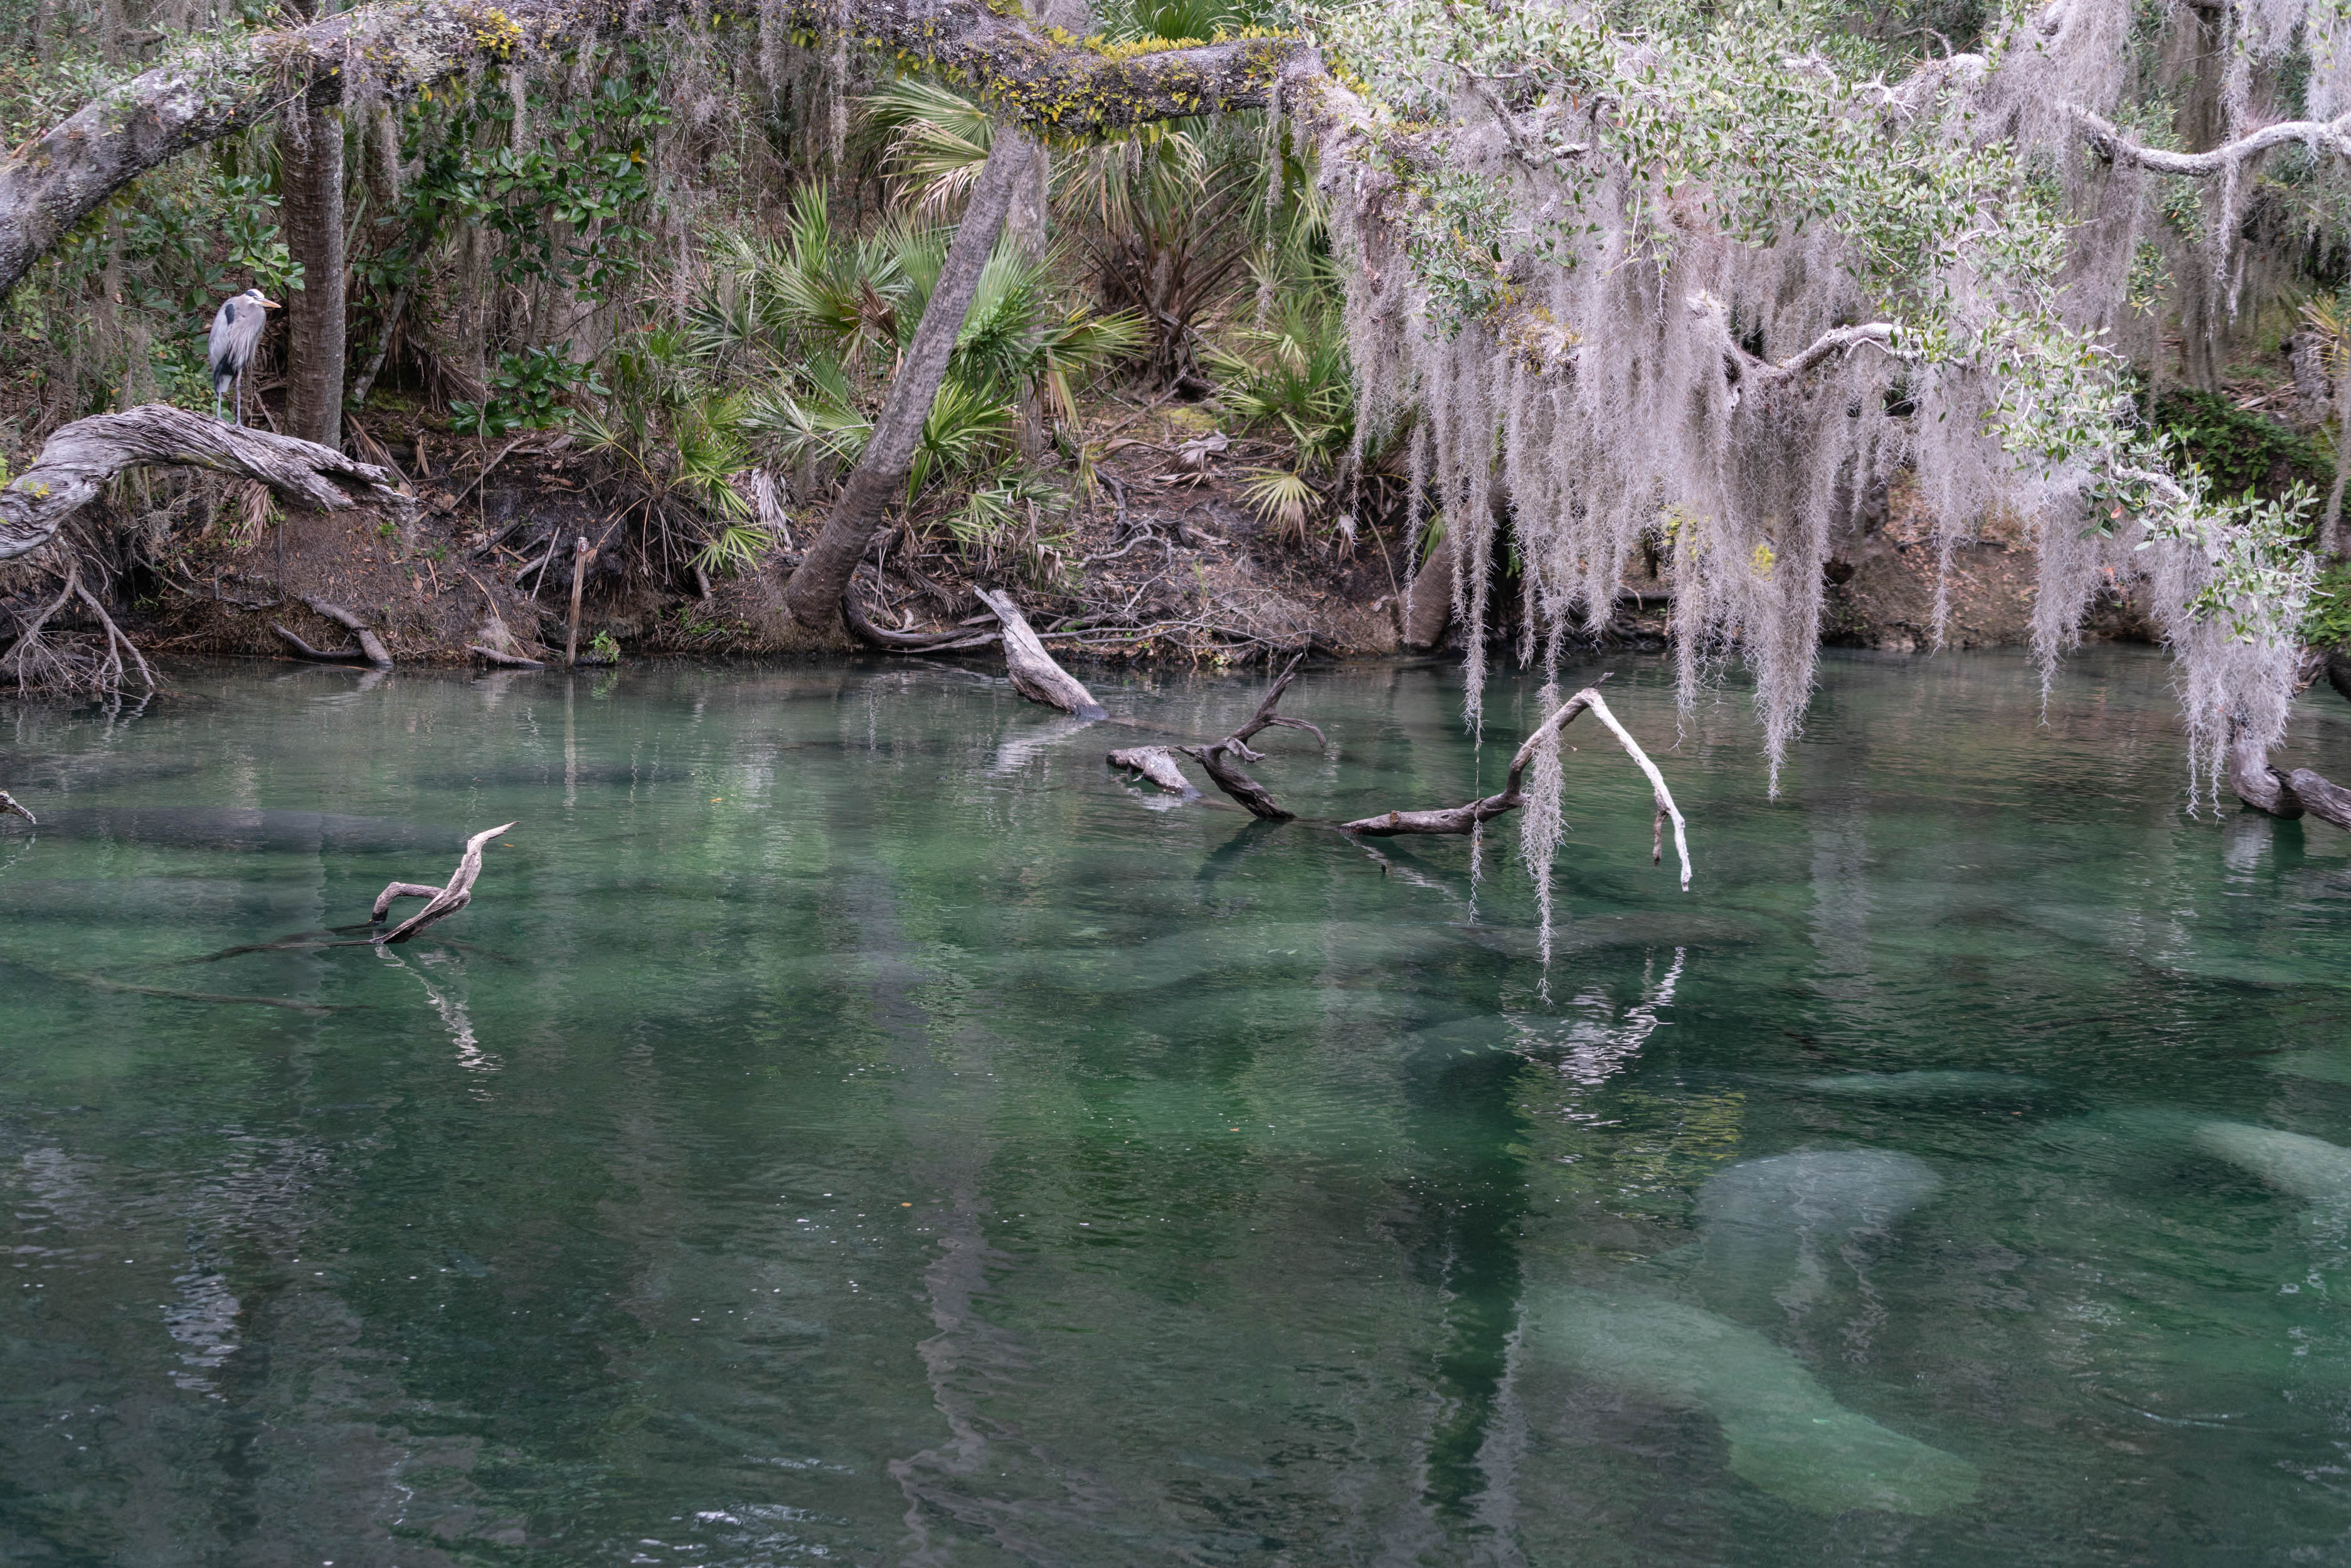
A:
2110	141
399	50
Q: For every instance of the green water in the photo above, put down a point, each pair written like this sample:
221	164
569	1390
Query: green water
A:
852	1125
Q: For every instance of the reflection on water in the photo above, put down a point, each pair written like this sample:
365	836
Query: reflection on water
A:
853	1123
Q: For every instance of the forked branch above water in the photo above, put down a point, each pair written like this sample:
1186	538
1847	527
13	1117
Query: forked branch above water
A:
1218	756
443	901
1466	819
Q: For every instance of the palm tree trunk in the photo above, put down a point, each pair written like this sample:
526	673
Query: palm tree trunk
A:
813	595
313	167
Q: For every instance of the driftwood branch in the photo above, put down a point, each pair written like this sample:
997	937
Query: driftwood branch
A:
503	661
11	806
443	901
1466	819
79	461
861	626
1034	674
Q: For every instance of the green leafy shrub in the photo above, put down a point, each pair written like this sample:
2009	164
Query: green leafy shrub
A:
2240	451
530	391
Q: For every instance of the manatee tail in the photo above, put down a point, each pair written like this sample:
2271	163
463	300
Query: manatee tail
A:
1829	1460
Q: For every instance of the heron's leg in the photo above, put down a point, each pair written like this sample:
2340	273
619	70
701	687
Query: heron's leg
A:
240	394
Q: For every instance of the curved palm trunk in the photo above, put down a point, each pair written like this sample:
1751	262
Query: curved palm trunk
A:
813	595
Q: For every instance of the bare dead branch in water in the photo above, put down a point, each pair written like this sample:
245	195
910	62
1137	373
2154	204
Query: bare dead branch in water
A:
444	901
10	805
1218	757
1466	819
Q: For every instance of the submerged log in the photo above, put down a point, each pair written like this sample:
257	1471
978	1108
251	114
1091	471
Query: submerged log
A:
1034	674
1156	763
443	901
1466	819
77	462
10	806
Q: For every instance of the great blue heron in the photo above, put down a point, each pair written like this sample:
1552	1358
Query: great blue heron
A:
235	329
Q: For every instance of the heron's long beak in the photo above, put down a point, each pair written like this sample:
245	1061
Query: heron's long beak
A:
270	305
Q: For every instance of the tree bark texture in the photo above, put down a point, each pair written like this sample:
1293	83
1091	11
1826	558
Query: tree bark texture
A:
312	155
76	462
397	50
1034	674
813	595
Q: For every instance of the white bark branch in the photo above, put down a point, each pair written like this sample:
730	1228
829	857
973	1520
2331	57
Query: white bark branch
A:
2116	145
444	900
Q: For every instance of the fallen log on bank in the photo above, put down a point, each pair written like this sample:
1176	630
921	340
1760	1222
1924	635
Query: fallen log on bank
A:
503	661
443	901
1034	674
1468	818
863	627
81	459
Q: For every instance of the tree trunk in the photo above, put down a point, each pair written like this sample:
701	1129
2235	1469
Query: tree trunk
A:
1429	602
813	595
312	155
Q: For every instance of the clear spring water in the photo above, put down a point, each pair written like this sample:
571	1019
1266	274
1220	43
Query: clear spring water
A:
852	1125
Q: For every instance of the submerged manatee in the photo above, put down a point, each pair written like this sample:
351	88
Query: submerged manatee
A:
1770	1228
2325	1066
1938	1085
1786	1435
2307	1167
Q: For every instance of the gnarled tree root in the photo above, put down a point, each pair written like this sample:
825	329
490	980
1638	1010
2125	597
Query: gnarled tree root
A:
1466	819
443	901
861	626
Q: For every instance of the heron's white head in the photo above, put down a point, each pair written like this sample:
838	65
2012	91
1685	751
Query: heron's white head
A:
258	297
